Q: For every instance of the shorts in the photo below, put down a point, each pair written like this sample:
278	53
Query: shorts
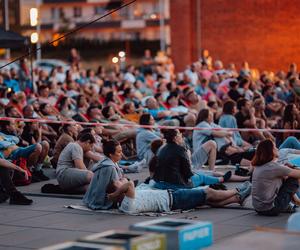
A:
199	157
23	152
73	178
188	198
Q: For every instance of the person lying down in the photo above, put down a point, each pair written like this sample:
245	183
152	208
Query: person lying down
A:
133	201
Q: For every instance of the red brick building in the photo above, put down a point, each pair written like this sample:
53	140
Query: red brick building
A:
266	33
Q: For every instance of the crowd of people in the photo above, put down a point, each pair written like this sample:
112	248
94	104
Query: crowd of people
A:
93	159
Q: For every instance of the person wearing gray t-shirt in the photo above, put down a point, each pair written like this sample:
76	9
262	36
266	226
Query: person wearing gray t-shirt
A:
273	185
71	173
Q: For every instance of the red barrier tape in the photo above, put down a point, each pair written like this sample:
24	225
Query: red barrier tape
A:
146	126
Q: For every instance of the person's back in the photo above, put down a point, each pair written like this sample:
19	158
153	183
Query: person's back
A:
173	165
66	159
201	136
143	141
229	121
62	142
266	182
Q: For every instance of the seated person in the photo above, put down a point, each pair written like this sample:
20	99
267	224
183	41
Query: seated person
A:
7	188
104	171
134	201
274	185
225	143
245	118
130	112
35	154
69	134
144	138
71	172
173	168
161	115
227	120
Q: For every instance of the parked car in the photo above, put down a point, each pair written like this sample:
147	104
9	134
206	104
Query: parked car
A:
13	65
49	64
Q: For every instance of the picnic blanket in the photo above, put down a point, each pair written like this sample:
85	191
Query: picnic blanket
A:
117	211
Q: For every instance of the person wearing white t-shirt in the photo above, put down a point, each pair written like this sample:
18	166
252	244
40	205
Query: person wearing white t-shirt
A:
133	201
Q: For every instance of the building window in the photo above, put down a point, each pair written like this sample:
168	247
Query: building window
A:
53	10
98	10
77	12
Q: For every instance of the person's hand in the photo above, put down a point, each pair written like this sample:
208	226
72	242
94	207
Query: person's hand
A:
24	173
110	197
252	111
290	165
229	133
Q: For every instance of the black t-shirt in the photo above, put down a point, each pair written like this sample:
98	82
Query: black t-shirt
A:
240	118
234	94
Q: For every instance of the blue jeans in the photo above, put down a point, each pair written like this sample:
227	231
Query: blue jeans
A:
22	152
188	198
290	142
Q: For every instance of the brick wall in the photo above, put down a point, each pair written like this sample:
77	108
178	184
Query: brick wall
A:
266	33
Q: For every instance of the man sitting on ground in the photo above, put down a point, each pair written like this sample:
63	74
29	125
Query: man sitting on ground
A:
72	174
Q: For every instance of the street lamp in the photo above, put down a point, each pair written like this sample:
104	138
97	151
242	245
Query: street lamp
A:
115	60
34	22
122	54
34	38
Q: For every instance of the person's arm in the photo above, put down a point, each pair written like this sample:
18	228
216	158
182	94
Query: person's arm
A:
127	189
92	156
185	166
221	134
7	164
252	121
79	164
294	173
163	114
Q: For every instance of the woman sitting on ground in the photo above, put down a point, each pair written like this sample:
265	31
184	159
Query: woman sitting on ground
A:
173	168
274	185
104	171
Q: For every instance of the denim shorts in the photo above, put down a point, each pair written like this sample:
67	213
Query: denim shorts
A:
23	152
188	198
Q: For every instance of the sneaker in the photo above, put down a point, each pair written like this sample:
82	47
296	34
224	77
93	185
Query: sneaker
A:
218	186
244	193
40	175
291	208
227	176
243	186
18	198
137	166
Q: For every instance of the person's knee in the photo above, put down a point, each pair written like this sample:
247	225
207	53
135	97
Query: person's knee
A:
209	193
293	184
211	146
45	145
38	148
89	176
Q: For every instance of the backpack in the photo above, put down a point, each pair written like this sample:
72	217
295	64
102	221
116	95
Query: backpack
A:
18	178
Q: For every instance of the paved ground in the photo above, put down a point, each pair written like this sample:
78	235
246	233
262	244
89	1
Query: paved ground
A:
47	222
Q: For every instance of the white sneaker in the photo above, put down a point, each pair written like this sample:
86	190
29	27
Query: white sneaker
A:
137	166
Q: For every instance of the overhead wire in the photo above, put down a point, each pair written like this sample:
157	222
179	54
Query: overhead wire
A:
70	32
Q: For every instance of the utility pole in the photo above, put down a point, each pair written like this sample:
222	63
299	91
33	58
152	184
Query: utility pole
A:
162	26
6	24
38	30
